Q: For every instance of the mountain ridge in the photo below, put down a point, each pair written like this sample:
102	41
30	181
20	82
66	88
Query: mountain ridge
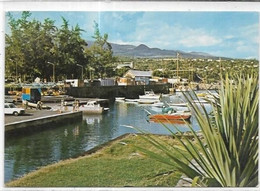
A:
143	51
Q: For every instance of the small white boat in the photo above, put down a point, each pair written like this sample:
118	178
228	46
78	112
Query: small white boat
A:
131	100
180	109
92	107
179	104
120	98
158	104
146	101
150	95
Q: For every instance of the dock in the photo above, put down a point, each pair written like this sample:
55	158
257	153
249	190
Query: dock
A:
39	120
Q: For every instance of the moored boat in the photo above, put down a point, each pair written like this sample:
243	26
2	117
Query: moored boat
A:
150	95
146	101
168	113
158	104
178	104
92	107
120	98
171	116
173	121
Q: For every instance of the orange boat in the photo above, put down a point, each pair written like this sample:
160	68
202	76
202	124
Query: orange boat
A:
171	116
168	121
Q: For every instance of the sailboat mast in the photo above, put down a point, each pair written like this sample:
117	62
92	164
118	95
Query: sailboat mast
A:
177	65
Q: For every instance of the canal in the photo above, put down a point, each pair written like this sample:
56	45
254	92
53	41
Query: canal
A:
26	153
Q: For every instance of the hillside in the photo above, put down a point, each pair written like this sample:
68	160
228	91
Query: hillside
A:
143	51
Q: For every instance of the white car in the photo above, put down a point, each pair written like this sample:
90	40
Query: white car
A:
10	108
10	99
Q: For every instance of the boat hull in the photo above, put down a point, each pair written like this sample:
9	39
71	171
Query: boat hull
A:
92	111
170	117
150	97
173	121
146	101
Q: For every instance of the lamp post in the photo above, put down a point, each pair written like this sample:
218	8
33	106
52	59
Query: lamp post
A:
15	69
53	71
81	70
90	74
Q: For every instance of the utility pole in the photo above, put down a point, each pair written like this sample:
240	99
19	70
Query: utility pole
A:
177	64
220	64
192	72
15	70
53	71
81	70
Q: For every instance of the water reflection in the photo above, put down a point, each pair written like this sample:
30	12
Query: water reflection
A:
92	119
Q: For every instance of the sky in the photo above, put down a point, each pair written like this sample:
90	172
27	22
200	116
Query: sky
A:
223	34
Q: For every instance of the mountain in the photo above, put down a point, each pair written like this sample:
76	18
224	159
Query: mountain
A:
143	51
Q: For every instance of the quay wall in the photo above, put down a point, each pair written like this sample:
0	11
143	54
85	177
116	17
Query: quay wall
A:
110	92
45	122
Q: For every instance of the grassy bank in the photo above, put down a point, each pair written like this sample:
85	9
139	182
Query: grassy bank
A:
118	164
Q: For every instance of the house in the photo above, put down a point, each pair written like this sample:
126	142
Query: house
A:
140	77
125	64
74	83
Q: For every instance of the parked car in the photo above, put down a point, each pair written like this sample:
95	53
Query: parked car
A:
10	99
11	109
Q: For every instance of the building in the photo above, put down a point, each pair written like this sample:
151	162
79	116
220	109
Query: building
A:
125	64
74	83
140	77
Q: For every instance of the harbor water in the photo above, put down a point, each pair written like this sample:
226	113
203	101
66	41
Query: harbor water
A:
29	152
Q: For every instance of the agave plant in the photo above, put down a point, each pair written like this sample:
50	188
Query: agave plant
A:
226	155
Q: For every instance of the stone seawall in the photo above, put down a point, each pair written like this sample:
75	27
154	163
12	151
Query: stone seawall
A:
42	122
110	92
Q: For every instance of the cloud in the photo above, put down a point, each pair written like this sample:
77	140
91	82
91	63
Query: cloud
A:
171	36
248	33
227	37
194	40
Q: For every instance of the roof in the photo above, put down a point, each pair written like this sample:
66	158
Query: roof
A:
137	73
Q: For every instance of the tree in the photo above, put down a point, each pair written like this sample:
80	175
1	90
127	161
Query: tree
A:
69	50
101	54
32	44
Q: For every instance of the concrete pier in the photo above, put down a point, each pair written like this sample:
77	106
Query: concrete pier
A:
42	122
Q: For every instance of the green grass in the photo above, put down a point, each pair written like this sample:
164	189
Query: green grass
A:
116	165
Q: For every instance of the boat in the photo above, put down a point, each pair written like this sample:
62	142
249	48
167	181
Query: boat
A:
38	105
158	104
150	95
179	104
171	116
131	100
120	98
146	101
168	113
92	107
174	121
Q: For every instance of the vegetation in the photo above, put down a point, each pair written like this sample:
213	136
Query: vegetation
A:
227	153
116	165
32	47
206	69
101	55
